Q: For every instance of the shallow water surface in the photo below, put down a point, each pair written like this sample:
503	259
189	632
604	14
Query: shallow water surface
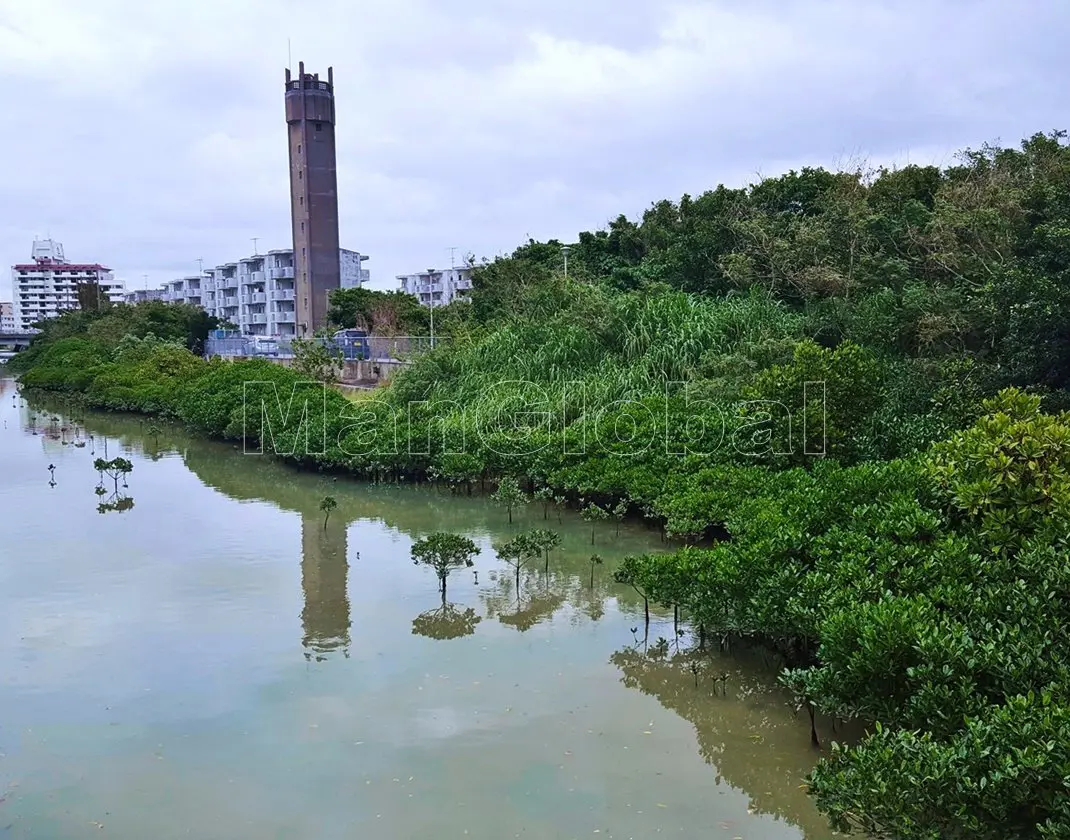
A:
212	662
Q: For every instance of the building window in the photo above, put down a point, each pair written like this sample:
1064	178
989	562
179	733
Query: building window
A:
302	227
301	200
300	174
298	148
319	126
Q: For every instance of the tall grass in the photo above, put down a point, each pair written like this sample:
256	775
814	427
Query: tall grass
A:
645	341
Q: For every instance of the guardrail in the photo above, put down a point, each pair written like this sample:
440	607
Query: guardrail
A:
377	348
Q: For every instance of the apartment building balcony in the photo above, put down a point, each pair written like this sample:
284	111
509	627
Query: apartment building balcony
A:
282	273
257	318
252	277
282	294
230	301
284	317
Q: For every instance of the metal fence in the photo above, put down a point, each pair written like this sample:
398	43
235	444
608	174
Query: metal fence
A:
376	348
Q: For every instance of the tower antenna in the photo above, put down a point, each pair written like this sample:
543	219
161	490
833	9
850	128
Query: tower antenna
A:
255	240
289	55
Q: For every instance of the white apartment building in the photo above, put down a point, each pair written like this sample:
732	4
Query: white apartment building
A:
256	294
438	287
352	275
142	295
49	285
7	317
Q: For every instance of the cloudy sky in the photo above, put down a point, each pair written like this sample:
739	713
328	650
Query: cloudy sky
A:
147	134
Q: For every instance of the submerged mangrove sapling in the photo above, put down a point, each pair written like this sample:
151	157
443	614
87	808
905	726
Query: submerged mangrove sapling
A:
630	573
517	552
546	496
593	514
547	541
116	468
327	504
596	560
444	552
509	495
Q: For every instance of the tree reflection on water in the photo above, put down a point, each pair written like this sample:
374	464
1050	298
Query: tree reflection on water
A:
742	720
117	502
449	621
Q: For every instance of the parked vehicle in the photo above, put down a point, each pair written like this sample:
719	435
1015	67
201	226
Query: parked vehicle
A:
266	347
352	343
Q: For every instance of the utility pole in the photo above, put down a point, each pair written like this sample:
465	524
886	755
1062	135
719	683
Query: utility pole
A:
145	282
431	303
200	265
451	278
255	240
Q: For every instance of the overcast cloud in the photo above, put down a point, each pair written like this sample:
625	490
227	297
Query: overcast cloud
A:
147	134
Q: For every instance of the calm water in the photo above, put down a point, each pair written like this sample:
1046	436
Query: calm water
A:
214	663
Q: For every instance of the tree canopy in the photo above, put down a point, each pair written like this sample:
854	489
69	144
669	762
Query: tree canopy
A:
444	552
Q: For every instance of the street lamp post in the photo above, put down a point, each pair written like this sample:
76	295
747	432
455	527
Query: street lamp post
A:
564	253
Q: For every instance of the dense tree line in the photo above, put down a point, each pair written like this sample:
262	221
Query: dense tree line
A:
105	325
395	313
843	390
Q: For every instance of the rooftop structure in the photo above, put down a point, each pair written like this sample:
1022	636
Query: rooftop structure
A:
50	285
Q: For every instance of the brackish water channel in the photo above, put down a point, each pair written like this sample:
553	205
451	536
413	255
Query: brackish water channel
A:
211	662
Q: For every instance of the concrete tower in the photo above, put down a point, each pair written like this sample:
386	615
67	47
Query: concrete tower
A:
313	195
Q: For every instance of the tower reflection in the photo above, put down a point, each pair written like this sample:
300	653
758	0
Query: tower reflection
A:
324	575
